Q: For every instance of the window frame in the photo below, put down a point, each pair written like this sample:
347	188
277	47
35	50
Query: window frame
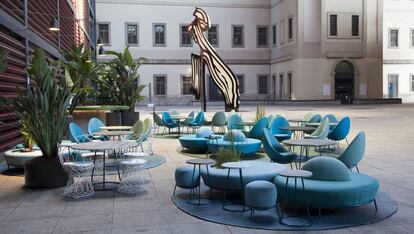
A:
389	38
232	36
182	76
217	33
242	76
329	25
411	38
274	35
181	37
411	80
154	44
109	32
267	36
155	85
282	32
126	34
290	38
358	25
267	83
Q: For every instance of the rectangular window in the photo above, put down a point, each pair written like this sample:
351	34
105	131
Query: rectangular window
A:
240	77
212	35
333	25
412	83
103	33
355	25
274	35
282	32
290	28
238	36
393	38
185	38
186	83
160	85
412	38
262	36
159	35
131	34
263	83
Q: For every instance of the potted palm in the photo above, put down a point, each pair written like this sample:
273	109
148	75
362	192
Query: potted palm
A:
121	82
43	108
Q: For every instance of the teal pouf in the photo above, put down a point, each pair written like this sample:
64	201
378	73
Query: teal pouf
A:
260	194
184	177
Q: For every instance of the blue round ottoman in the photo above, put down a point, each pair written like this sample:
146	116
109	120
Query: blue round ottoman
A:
242	144
184	177
260	195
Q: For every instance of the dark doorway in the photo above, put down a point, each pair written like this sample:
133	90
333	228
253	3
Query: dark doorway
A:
214	94
344	82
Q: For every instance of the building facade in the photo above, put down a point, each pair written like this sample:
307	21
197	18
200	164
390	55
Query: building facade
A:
24	27
279	49
398	49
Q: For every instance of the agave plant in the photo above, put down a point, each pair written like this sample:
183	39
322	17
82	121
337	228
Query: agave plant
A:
260	112
80	70
120	81
43	107
228	153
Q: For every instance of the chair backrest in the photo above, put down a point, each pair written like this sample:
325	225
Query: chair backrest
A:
190	117
174	112
199	119
315	119
77	134
354	152
270	120
306	118
327	169
271	142
166	118
138	128
257	130
219	119
148	124
157	119
331	117
322	130
277	123
341	130
95	125
234	122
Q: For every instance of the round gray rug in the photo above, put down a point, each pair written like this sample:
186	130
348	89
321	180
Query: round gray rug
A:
268	219
155	160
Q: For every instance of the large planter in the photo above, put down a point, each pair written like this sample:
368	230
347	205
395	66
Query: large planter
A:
113	119
129	118
18	157
44	172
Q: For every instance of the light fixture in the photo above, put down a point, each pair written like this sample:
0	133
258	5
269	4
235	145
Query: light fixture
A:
99	43
101	51
54	25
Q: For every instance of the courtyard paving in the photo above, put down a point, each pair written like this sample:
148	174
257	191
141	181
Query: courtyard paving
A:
389	157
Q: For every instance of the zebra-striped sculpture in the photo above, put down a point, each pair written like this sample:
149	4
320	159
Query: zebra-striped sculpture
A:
221	74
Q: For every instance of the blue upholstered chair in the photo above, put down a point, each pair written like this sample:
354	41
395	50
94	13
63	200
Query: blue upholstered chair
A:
332	186
321	132
198	120
260	195
331	117
78	135
257	131
341	130
158	122
308	116
354	152
270	121
275	151
219	120
280	134
234	122
94	126
168	121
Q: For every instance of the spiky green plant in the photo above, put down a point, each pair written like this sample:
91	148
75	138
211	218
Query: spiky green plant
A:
228	153
43	107
260	112
120	81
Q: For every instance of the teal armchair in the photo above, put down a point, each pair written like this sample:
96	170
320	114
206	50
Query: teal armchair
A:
275	151
354	152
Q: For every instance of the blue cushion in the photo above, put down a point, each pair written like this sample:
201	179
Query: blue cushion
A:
184	177
204	132
327	169
260	194
249	146
234	135
193	143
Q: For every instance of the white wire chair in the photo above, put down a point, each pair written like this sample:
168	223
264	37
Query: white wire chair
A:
134	174
80	173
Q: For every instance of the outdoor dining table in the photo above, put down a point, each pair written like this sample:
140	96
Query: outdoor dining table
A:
297	121
116	128
105	147
113	134
297	130
317	124
179	119
305	145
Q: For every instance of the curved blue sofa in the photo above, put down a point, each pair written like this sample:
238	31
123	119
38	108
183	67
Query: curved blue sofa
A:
243	145
196	142
332	185
259	170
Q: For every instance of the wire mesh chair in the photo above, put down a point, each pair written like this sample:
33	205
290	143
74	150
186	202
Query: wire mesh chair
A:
134	174
80	173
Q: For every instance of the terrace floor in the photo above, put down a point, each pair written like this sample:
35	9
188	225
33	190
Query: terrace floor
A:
389	157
